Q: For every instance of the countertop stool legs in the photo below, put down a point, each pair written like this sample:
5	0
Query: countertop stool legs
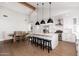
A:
48	46
47	43
35	41
41	42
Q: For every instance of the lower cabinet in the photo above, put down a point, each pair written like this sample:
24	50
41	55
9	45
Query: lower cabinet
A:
68	37
78	50
77	47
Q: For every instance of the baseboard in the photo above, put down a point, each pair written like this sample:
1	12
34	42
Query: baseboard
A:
69	42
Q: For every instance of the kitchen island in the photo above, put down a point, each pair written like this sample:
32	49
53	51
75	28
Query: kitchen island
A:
49	38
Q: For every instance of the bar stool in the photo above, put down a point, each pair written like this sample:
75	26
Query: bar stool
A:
35	41
31	39
40	40
44	42
47	43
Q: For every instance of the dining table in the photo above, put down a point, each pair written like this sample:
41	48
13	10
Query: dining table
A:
18	36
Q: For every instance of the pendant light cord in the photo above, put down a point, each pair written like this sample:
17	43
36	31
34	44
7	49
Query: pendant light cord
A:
42	10
50	10
37	11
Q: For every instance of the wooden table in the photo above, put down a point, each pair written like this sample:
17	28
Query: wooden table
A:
18	36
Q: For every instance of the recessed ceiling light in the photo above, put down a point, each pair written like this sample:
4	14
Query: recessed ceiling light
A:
5	16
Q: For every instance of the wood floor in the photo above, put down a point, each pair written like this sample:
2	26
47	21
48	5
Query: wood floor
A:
24	48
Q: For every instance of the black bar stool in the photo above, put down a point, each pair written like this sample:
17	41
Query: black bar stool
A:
31	40
47	43
35	41
40	40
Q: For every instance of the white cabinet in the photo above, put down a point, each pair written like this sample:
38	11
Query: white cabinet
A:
68	37
59	27
54	40
39	28
78	50
77	47
36	29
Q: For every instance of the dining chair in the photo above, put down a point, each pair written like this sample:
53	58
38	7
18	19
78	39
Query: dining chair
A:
17	36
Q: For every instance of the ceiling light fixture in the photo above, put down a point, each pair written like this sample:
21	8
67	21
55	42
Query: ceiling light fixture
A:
50	20
5	16
37	23
42	22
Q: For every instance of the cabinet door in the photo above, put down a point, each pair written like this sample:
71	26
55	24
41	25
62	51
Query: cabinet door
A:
77	49
68	37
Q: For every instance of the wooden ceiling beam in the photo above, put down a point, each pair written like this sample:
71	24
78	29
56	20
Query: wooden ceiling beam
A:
28	5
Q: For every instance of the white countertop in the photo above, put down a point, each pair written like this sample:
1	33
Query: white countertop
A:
47	36
43	34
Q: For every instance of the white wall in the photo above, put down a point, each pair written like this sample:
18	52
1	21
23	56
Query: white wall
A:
14	22
68	19
69	28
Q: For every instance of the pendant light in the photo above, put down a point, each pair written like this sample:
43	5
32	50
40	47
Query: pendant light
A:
50	20
37	23
42	22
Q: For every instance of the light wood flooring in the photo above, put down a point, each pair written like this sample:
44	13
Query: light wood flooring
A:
24	48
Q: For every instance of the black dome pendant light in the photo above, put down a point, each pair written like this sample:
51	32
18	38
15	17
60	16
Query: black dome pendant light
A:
42	22
50	20
37	23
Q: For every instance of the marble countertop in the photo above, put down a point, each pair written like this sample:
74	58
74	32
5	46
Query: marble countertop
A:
43	35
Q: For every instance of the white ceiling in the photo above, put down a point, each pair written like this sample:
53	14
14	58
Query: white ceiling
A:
56	6
16	7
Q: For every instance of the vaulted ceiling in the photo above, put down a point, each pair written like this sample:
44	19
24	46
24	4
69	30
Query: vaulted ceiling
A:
56	4
31	6
21	7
